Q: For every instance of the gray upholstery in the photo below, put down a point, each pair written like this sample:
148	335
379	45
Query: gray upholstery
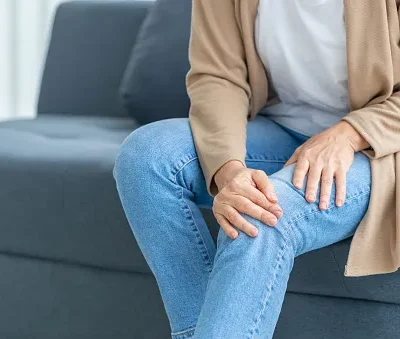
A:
58	193
70	267
153	86
46	299
307	316
90	46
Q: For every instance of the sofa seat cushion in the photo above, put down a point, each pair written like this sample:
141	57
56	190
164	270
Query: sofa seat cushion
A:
58	198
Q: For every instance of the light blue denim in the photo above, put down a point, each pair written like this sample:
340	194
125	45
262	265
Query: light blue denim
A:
234	290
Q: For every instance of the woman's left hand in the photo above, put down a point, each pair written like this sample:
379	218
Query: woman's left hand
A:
325	157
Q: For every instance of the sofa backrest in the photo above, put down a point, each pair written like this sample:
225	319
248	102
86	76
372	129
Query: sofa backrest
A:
154	86
90	46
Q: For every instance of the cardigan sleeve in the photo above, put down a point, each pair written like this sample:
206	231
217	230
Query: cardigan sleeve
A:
379	125
218	88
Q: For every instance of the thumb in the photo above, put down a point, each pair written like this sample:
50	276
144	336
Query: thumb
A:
263	183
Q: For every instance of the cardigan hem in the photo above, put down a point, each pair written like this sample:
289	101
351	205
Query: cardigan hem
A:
359	271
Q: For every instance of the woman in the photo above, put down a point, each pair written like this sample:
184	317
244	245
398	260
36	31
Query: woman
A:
283	177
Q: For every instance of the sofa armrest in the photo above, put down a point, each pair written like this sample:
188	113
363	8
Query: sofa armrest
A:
89	49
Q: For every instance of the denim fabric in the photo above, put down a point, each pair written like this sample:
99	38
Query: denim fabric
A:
233	289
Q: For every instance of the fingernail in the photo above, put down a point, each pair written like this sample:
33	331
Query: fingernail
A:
324	205
254	232
340	203
272	221
298	184
273	196
311	197
277	213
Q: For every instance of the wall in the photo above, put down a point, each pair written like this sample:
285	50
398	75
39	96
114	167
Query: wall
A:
24	28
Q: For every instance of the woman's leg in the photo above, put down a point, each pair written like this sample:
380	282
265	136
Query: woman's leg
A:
249	278
161	186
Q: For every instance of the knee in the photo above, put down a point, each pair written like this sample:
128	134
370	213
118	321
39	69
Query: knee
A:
150	147
269	241
289	231
132	154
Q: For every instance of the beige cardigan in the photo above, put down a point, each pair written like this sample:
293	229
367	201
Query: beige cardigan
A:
227	85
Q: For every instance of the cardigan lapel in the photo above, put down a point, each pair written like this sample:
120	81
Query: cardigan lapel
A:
247	11
369	58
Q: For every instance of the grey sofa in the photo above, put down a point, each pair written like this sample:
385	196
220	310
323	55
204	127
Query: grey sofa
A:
69	265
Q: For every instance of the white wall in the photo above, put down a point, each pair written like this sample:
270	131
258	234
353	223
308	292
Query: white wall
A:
24	28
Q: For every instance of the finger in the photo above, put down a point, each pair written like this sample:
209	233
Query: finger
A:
314	177
264	185
257	197
246	206
326	188
226	226
300	172
340	179
238	221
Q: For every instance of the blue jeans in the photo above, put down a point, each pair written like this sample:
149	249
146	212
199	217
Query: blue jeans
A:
236	289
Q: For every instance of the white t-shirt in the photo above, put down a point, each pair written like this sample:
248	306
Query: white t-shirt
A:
302	44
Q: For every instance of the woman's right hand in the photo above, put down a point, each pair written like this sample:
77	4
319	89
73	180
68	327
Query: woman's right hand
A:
244	190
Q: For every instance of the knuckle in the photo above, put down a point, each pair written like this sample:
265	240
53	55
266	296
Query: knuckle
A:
326	180
340	164
340	192
217	199
301	167
265	216
259	172
234	184
325	196
247	206
260	201
320	160
311	188
231	216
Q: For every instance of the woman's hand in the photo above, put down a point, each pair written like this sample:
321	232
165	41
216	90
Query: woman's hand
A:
326	157
245	190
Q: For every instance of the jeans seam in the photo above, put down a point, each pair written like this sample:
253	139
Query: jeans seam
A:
285	233
203	244
175	335
269	292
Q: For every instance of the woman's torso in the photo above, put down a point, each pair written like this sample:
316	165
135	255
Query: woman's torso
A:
302	44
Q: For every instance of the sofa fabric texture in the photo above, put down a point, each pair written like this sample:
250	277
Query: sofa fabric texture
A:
153	85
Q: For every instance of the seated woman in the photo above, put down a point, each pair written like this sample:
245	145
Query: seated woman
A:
292	140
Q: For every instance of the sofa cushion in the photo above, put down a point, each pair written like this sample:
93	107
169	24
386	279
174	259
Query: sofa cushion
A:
153	86
57	194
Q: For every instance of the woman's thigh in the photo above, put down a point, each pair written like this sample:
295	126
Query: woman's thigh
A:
303	226
166	148
268	147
